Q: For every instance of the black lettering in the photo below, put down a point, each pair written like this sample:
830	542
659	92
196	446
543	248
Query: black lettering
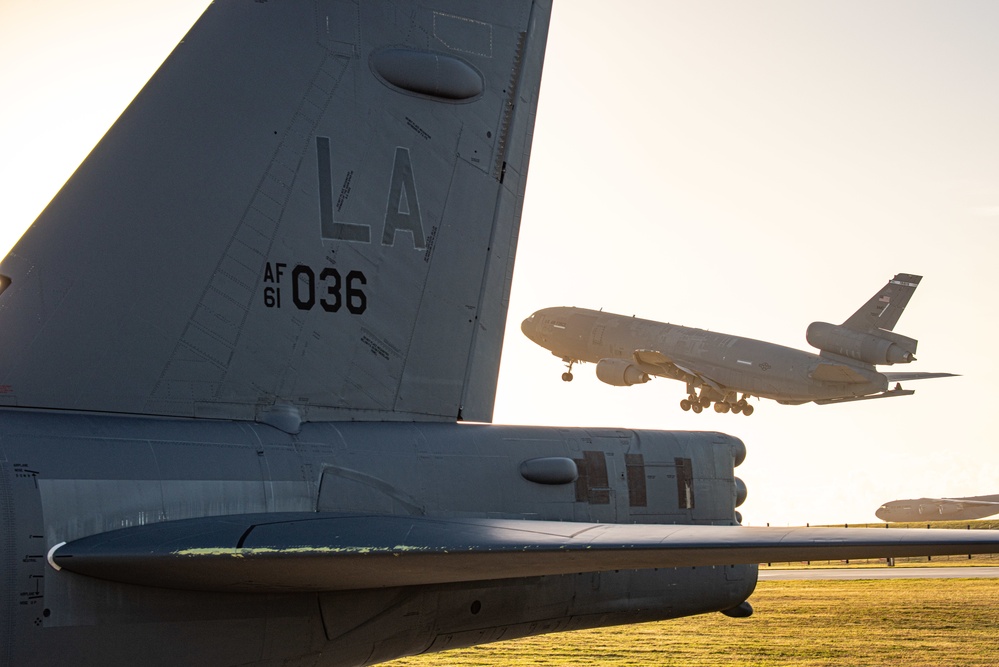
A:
361	304
309	286
332	290
330	228
271	297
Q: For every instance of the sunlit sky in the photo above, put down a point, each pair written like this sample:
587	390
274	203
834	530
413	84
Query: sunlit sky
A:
746	167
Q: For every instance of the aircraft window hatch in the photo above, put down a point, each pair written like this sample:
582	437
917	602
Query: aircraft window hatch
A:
635	464
685	483
592	483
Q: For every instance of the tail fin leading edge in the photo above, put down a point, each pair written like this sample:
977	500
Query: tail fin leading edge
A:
314	204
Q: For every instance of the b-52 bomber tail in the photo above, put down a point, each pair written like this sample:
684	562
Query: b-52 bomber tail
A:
726	370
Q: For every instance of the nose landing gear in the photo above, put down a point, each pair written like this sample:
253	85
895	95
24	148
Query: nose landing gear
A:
567	376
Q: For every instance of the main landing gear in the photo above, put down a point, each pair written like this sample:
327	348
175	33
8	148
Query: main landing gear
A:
567	376
698	404
695	403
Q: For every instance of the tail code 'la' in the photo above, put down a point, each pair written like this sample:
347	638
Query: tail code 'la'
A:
310	207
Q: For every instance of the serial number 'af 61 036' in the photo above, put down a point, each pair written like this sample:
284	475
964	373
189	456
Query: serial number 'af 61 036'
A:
326	287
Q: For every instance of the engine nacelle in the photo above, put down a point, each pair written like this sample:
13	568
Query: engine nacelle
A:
620	372
740	491
885	347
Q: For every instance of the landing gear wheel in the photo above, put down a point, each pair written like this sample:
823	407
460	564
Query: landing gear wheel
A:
685	405
736	409
696	407
742	403
721	407
566	377
748	410
705	402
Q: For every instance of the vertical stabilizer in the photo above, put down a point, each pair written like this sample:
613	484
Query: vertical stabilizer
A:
311	205
884	308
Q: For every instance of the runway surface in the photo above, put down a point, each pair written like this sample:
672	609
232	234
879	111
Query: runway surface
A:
881	573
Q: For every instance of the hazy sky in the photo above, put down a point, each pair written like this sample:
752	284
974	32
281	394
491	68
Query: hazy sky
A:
746	167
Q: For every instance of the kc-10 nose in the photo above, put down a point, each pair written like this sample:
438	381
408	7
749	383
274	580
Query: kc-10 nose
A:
527	326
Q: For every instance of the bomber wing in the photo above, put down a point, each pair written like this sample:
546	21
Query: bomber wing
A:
291	552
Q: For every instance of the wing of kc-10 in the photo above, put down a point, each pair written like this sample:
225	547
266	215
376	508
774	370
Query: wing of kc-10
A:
663	365
306	551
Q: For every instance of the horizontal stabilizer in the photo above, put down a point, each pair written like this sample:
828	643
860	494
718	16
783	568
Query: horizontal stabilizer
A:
837	373
885	394
901	377
292	552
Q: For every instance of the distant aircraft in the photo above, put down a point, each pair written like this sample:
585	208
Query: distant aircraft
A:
235	347
718	367
939	509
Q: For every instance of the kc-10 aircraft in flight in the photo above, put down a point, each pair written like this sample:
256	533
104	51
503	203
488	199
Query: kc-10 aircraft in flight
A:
939	509
237	344
718	367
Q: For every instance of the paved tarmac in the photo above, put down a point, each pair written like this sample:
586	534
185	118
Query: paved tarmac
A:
881	573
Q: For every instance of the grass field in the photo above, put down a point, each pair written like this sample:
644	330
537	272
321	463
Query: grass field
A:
910	622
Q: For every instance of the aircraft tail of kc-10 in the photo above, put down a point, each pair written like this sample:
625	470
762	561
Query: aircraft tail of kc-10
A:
884	308
284	229
866	338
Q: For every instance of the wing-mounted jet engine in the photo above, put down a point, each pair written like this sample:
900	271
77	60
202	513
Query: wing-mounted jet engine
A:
620	373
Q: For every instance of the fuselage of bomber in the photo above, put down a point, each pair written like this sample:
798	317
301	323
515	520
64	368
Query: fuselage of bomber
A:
66	476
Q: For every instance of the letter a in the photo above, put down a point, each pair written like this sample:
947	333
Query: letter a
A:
403	210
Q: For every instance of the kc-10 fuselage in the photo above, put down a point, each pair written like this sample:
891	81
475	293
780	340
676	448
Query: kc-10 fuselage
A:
756	367
718	367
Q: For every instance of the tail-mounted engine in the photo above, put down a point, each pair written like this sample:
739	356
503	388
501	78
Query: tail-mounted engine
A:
883	347
620	372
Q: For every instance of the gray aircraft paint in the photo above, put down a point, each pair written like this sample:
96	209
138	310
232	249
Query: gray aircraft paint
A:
425	182
628	350
224	339
939	509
